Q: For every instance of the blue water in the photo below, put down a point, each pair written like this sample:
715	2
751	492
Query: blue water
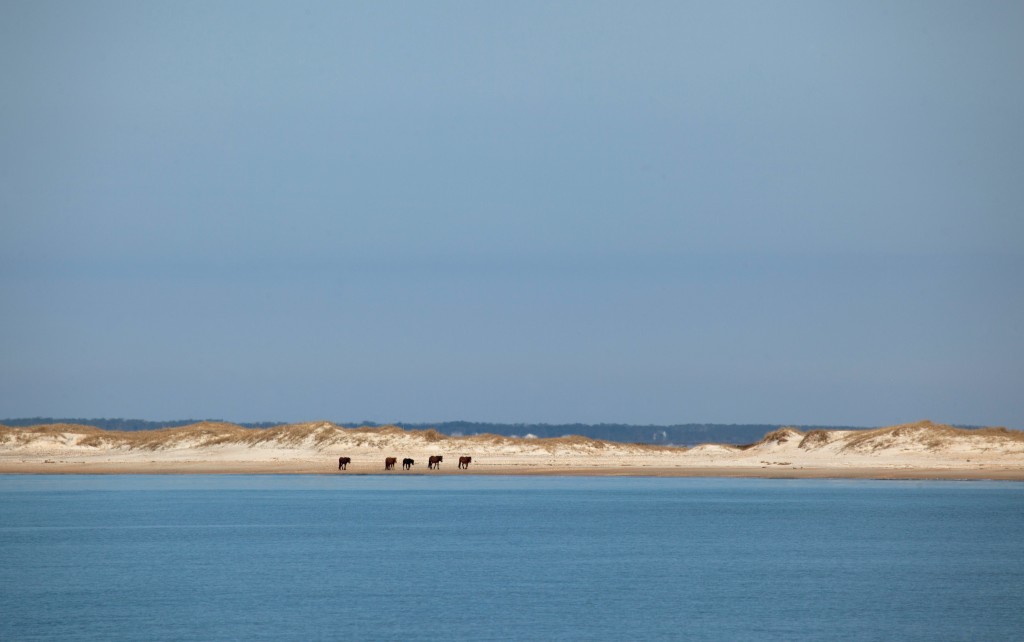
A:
328	557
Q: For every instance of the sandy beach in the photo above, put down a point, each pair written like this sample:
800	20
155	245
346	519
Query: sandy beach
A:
922	450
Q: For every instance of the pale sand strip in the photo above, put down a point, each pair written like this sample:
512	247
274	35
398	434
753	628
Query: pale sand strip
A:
990	472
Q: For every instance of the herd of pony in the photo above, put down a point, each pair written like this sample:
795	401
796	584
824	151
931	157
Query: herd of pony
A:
434	462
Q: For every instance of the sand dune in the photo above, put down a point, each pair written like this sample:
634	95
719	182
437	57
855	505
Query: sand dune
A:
921	449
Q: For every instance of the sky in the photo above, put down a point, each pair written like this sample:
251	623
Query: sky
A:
638	212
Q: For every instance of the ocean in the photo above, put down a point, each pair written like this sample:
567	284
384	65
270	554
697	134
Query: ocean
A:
508	558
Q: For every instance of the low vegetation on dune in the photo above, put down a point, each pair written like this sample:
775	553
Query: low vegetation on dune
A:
781	436
201	434
927	436
923	436
816	439
317	435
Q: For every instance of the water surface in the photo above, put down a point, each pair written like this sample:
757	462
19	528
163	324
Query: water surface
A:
314	557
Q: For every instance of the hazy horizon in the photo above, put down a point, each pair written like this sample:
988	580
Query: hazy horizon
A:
653	213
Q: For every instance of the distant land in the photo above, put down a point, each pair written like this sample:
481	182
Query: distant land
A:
671	435
921	450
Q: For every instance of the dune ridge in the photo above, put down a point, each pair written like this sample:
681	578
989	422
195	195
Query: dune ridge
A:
315	446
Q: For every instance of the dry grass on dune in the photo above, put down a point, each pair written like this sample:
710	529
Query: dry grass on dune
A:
318	435
781	436
202	433
284	435
432	436
488	438
577	441
219	434
815	439
920	436
927	435
28	434
774	438
52	429
1000	432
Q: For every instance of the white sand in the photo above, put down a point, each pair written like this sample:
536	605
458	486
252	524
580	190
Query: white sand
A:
920	450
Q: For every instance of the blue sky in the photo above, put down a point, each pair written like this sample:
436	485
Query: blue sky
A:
672	212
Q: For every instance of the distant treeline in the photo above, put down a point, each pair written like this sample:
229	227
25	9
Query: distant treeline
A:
125	424
677	434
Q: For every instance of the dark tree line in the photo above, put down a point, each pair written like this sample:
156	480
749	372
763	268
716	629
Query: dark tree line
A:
122	424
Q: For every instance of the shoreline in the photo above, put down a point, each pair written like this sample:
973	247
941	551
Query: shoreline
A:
911	451
991	472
